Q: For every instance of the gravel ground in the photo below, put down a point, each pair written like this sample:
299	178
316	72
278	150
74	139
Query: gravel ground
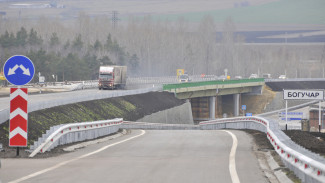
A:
313	141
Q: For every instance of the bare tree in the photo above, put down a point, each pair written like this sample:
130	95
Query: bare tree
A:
207	40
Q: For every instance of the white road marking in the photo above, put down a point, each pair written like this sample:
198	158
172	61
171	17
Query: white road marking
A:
69	161
232	156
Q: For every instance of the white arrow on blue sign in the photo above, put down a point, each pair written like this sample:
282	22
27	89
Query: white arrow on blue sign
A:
19	70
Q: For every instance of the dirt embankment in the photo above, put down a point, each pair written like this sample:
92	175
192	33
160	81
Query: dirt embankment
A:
313	141
130	108
256	104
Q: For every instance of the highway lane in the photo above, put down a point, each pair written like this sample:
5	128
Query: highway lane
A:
5	101
156	156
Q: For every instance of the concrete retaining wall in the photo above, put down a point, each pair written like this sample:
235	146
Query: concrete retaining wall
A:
177	115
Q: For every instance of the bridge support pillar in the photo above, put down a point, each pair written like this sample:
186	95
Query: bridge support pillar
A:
212	107
236	104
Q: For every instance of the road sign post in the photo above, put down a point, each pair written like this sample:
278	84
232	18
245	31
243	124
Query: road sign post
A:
18	70
243	108
319	115
18	117
286	115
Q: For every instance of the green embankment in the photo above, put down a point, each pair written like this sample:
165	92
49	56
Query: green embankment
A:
42	120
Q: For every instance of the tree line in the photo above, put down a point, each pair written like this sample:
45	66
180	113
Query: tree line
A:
75	50
67	60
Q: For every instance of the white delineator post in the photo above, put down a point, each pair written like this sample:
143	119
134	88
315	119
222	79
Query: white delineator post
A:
286	114
319	115
18	117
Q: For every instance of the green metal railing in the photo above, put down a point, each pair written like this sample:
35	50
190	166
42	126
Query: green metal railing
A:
205	83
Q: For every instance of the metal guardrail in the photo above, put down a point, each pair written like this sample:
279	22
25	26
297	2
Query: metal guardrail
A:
213	82
289	108
168	79
295	79
254	123
80	132
307	166
157	126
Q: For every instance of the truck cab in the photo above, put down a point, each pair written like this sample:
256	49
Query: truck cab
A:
112	77
105	78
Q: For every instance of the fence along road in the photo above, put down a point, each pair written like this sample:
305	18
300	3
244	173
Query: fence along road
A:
157	156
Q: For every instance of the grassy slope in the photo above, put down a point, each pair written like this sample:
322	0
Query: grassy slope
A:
279	12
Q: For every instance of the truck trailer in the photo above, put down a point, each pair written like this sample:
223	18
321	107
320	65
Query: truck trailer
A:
112	77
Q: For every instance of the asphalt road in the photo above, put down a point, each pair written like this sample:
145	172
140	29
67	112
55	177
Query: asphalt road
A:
35	98
152	157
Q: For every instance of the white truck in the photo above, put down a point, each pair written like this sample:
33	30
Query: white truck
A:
112	77
184	78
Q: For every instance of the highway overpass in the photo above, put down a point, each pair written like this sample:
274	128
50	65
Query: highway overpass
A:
208	98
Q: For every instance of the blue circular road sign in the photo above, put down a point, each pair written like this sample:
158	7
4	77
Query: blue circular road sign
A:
19	70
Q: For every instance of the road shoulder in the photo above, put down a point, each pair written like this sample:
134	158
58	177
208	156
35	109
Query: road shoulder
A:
270	162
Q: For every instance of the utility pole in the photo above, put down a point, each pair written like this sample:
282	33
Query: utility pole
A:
115	18
323	60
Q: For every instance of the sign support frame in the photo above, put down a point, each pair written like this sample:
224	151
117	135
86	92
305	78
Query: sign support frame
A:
26	74
17	150
319	116
243	107
286	115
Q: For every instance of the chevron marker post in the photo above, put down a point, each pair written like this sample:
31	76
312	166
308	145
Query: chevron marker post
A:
18	117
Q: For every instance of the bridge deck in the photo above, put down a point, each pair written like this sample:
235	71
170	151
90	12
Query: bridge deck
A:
216	87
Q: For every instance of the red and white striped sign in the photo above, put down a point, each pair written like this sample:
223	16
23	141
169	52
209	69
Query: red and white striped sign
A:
18	117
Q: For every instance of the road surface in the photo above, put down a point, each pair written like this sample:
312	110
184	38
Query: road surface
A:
5	101
149	157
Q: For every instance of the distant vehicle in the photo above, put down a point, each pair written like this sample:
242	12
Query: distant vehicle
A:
238	77
282	77
267	76
184	78
252	76
222	77
2	76
112	77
